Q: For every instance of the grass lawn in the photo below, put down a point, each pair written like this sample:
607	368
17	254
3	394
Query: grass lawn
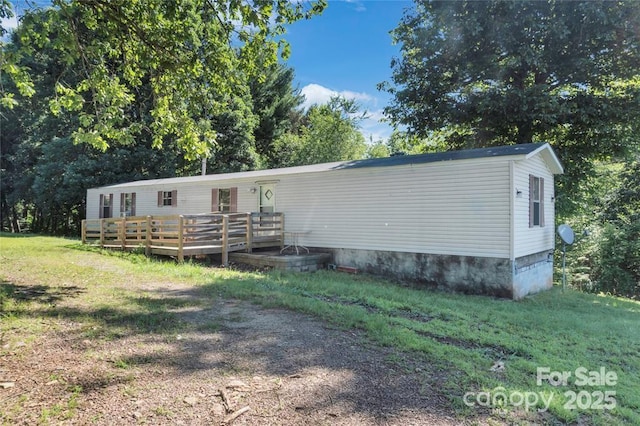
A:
487	350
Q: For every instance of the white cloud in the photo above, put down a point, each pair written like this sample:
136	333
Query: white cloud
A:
376	115
316	94
360	7
371	127
9	24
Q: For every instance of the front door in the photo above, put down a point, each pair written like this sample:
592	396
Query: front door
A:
267	198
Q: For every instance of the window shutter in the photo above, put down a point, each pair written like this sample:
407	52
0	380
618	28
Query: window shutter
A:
531	183
214	200
234	199
159	198
541	201
101	209
121	203
133	204
110	205
174	198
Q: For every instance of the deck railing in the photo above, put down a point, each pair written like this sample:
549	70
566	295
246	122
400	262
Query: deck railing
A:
187	235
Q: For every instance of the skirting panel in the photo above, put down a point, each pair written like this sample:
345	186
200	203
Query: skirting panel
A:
467	274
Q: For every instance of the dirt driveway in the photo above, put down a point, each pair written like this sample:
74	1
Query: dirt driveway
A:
234	363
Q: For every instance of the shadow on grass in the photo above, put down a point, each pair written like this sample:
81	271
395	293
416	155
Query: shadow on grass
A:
230	338
36	293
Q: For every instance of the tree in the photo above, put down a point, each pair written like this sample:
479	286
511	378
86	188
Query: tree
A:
276	104
329	133
9	59
613	255
44	175
378	150
192	54
402	142
507	72
510	69
234	147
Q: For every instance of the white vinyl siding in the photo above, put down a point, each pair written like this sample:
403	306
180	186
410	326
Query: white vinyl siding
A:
530	240
437	208
93	203
192	198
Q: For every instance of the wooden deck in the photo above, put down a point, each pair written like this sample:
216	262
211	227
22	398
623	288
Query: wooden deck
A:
188	235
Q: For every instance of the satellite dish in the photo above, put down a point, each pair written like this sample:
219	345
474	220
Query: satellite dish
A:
566	234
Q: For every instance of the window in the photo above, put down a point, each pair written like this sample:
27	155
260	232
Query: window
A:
106	206
167	198
128	204
536	201
224	200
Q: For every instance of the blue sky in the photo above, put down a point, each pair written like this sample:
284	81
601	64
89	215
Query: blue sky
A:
348	50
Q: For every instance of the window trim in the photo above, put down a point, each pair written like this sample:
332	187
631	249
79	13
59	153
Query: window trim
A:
123	204
104	197
172	197
216	199
536	205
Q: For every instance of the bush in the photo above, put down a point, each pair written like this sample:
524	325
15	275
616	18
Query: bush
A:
616	266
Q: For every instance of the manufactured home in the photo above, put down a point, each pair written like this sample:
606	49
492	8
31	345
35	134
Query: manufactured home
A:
477	221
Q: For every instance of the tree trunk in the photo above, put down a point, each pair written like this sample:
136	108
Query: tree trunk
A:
525	133
15	223
4	210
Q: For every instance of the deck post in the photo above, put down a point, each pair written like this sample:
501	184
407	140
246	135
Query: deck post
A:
281	229
225	240
181	238
123	233
249	232
102	222
84	231
147	248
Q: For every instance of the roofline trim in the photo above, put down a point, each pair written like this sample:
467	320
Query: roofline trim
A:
554	164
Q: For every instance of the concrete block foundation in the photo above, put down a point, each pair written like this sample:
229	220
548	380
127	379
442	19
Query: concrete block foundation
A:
273	259
532	274
467	274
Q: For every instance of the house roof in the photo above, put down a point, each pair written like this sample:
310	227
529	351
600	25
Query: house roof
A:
523	151
526	150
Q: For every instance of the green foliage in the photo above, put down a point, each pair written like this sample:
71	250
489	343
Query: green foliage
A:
9	59
616	256
193	55
44	174
329	133
276	104
406	143
233	149
607	260
378	150
617	260
512	70
478	74
623	205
